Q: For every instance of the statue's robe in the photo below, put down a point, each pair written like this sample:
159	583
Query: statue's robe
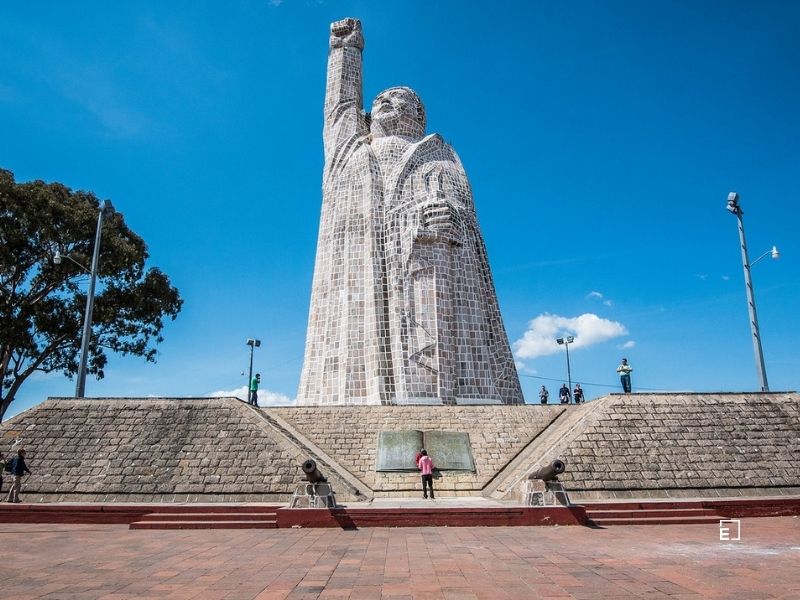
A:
346	358
401	312
448	342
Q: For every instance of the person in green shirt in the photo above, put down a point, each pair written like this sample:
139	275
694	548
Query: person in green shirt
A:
254	389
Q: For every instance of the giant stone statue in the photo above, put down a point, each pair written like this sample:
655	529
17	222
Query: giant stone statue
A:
403	307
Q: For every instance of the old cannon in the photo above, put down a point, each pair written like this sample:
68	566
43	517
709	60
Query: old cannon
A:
312	473
317	492
543	487
549	472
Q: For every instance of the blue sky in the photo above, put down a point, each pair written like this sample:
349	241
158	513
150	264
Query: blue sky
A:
601	140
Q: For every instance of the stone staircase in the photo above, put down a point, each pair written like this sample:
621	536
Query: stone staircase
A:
209	517
651	513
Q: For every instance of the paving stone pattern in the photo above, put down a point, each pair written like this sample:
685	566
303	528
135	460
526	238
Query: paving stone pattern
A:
679	562
403	305
350	434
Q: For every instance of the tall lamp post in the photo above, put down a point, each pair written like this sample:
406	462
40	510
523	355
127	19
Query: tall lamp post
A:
566	342
736	209
253	345
106	208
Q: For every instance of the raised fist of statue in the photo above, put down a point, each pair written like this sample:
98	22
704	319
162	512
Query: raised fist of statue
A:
439	216
347	32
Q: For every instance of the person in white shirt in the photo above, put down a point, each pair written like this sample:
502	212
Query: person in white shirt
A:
624	371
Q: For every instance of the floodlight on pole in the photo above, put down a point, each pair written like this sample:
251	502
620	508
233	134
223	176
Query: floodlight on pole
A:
106	208
566	341
735	208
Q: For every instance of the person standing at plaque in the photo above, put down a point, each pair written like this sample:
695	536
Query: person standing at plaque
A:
425	465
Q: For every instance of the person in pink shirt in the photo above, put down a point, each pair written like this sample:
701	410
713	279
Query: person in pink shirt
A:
425	465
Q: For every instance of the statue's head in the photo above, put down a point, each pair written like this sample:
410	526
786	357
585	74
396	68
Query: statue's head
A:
398	111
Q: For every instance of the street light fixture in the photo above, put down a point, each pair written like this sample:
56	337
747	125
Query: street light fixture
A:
59	258
106	209
774	254
566	342
734	207
253	345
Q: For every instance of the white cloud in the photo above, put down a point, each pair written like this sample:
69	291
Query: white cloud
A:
594	294
626	345
265	397
726	278
523	368
588	329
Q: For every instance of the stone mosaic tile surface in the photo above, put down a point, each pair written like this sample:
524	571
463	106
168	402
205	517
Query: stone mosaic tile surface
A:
403	305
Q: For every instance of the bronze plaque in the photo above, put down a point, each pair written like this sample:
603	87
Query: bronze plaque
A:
397	450
449	450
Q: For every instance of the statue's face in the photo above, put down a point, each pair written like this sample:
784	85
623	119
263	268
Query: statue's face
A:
398	111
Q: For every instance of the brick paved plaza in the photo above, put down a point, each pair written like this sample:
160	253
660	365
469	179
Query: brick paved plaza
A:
677	561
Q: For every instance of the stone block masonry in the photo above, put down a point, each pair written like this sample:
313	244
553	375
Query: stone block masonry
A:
153	450
212	449
496	433
677	445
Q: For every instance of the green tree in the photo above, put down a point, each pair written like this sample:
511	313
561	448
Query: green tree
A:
42	303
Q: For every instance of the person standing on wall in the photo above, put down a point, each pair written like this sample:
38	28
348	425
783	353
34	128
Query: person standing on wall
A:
624	371
564	394
577	394
18	469
543	395
254	389
425	465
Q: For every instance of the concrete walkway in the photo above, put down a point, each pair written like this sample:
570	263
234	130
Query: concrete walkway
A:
439	502
678	562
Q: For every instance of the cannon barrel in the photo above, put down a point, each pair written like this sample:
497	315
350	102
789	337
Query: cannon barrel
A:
549	472
313	474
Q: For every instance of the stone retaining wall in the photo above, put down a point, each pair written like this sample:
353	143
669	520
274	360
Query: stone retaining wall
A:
212	449
350	434
679	445
141	450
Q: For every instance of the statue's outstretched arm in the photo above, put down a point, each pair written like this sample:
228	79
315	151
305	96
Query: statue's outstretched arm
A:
343	92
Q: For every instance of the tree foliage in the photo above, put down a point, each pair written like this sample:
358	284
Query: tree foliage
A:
42	303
